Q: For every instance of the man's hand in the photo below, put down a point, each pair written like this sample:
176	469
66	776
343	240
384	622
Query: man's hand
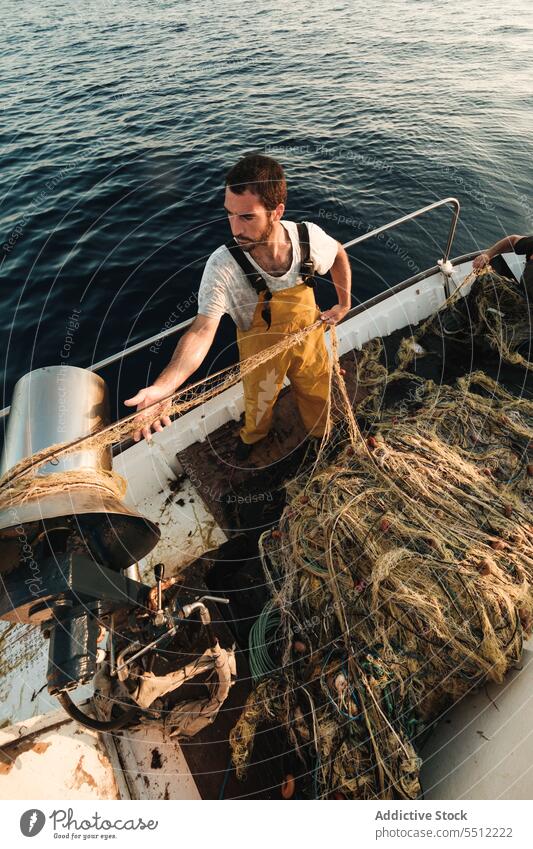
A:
143	399
505	245
480	262
335	314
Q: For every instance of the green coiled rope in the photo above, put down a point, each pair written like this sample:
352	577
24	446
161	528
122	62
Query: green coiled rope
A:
262	637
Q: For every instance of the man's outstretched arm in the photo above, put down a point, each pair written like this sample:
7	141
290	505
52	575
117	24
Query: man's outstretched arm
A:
503	246
341	274
189	354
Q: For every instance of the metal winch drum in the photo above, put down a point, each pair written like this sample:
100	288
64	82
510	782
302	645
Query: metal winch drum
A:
62	554
63	562
60	404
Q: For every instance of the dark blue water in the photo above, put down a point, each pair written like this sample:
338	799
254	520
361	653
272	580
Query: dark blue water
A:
119	120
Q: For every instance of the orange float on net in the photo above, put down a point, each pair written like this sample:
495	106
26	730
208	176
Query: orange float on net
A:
288	786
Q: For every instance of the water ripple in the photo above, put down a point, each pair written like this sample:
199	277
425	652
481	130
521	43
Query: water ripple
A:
120	120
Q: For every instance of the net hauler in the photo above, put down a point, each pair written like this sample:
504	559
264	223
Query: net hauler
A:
67	541
63	549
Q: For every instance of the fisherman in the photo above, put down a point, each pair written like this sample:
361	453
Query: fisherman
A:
262	277
519	244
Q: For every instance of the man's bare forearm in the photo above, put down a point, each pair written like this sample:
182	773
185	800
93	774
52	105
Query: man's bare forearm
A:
505	244
188	355
341	274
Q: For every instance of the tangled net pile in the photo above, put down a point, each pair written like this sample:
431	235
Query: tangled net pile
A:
401	572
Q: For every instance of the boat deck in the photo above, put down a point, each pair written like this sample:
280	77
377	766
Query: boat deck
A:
240	494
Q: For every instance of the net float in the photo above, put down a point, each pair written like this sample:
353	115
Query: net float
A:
288	786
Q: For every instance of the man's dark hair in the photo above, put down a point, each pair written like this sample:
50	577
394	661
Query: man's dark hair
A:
261	175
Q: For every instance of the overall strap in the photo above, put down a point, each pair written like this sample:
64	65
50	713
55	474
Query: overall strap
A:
307	267
254	277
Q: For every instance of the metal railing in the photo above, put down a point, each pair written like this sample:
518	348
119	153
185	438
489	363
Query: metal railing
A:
453	226
138	346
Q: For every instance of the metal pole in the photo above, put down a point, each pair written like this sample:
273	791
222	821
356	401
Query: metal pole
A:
409	217
140	345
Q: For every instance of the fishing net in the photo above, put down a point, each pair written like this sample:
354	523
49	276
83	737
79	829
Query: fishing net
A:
400	572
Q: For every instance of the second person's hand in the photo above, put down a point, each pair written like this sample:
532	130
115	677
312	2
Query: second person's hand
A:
480	261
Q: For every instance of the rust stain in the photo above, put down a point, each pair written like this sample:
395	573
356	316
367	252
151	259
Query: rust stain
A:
7	760
5	766
105	760
81	776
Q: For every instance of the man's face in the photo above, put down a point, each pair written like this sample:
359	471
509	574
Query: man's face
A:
251	224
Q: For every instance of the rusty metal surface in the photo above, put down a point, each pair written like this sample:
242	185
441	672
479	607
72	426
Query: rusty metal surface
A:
23	663
154	766
61	760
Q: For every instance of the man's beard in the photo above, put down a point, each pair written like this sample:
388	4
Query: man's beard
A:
263	239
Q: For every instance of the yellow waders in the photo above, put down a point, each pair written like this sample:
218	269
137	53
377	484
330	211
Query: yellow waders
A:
306	364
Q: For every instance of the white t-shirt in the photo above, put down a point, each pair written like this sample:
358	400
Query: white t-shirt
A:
224	288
